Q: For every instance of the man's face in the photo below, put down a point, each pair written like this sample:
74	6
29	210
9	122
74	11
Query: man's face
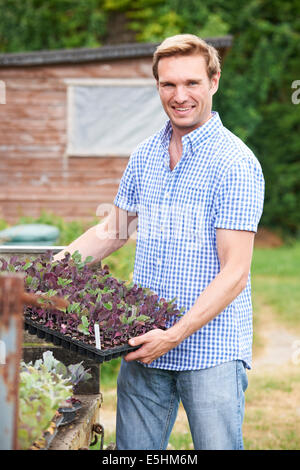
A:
186	91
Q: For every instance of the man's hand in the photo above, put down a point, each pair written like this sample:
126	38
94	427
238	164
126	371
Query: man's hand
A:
155	344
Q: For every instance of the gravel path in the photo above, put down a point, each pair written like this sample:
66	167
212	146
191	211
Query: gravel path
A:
279	345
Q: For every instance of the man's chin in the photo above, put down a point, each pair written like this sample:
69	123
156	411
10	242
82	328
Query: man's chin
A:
186	126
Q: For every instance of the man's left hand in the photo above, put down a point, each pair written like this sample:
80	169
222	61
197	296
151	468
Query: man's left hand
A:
155	343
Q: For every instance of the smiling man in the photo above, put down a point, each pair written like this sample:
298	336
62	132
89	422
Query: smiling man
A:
197	191
206	188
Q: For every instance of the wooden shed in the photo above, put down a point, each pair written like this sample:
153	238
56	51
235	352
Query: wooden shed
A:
64	139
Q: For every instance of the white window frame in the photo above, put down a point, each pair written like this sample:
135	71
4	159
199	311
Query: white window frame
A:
72	83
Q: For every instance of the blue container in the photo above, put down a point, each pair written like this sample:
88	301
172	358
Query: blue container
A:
29	234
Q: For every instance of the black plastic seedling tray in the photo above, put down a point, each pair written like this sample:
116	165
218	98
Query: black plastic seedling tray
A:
69	413
78	347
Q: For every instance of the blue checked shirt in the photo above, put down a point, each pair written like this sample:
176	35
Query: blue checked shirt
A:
218	183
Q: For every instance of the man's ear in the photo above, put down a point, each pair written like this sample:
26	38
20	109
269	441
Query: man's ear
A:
214	82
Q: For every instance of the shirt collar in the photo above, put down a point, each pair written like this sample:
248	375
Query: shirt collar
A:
196	137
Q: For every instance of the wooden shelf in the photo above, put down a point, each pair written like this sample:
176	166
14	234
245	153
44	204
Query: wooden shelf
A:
79	433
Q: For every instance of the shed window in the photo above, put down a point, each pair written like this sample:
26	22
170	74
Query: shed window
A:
111	117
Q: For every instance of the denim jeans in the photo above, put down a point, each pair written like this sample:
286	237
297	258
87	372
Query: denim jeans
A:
148	401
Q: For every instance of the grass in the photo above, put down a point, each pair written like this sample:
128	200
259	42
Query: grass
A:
121	263
280	262
272	410
276	280
283	295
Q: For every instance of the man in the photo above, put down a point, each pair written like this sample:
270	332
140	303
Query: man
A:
197	191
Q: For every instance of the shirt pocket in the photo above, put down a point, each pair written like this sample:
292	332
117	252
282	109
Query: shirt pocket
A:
195	215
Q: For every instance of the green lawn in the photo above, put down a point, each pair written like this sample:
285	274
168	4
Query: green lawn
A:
276	280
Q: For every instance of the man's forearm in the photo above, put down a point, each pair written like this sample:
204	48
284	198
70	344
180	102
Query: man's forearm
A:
94	242
226	286
105	238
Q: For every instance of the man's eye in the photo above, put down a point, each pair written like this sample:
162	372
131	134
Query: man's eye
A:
192	83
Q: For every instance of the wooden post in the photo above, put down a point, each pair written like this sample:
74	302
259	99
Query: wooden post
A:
11	333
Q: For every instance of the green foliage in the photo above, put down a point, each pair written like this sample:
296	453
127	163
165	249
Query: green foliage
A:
44	387
74	373
74	307
109	373
41	392
79	263
255	100
53	24
130	316
121	262
84	325
154	20
63	282
56	24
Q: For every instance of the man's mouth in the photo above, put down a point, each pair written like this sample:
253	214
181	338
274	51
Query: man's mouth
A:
182	110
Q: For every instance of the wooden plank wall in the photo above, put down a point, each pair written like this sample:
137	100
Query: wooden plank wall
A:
35	173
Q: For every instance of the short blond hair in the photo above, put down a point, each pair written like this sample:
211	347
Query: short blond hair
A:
187	44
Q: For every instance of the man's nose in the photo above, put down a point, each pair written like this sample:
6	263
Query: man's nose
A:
180	94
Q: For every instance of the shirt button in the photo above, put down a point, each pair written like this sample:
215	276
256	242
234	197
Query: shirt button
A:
159	261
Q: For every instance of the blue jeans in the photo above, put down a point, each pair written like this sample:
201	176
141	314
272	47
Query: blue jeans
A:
148	401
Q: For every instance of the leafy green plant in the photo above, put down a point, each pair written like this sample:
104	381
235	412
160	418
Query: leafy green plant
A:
41	392
84	325
77	373
73	373
44	387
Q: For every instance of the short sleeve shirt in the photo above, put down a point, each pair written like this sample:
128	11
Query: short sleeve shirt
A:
217	183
